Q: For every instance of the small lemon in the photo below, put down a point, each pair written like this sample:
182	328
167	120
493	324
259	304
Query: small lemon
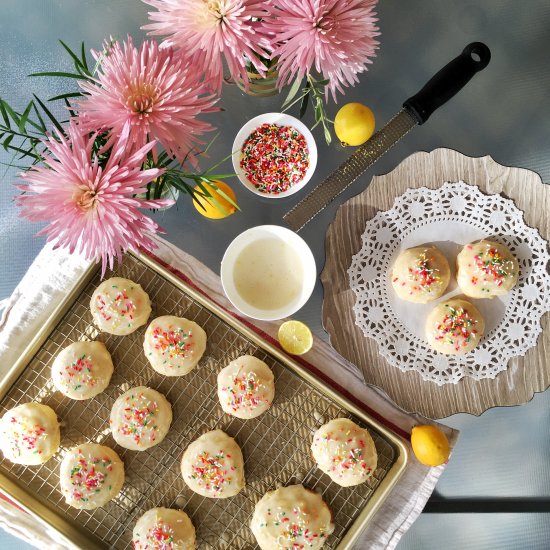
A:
354	124
295	337
209	208
430	445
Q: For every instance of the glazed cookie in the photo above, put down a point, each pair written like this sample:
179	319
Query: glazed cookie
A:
120	306
29	434
213	465
344	451
420	274
246	387
291	517
82	370
164	529
174	345
454	327
486	269
140	418
90	476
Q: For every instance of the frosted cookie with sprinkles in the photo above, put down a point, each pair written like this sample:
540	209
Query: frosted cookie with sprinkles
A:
120	306
140	418
82	370
344	451
486	269
174	345
29	434
164	529
246	387
420	274
90	475
213	465
454	327
291	517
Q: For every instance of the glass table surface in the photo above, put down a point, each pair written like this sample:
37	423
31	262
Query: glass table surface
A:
495	492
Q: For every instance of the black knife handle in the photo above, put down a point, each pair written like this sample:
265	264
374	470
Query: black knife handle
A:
448	81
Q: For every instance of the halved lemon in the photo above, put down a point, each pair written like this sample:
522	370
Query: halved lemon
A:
295	337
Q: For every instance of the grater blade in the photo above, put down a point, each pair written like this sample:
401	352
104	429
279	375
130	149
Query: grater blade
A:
364	157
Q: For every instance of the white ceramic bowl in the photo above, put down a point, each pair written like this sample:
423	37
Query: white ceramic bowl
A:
280	119
253	235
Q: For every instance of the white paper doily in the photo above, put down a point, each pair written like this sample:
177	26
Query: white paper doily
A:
449	217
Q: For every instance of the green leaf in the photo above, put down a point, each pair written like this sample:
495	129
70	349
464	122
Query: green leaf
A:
11	113
43	126
303	105
84	60
15	133
73	114
4	114
210	143
225	196
49	114
293	91
212	177
26	153
6	143
60	74
184	187
77	63
24	117
65	96
328	136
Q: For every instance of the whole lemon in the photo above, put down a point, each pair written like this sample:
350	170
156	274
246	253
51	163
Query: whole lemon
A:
354	124
430	445
208	208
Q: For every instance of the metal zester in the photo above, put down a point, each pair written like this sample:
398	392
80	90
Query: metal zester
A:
416	110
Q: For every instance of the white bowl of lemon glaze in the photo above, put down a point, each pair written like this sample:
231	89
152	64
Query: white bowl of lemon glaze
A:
268	272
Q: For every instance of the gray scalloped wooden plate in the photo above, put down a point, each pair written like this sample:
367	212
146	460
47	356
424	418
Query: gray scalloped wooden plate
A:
525	375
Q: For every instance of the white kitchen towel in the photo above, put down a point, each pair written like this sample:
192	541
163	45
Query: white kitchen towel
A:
54	272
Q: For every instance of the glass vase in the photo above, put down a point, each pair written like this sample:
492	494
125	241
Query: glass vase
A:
261	86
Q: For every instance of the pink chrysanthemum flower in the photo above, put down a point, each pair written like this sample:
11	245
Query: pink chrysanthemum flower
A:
91	209
207	31
336	37
152	89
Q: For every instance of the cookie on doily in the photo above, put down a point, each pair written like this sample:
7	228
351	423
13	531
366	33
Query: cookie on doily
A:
420	274
486	269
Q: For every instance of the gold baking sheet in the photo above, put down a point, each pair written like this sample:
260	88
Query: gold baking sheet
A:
276	445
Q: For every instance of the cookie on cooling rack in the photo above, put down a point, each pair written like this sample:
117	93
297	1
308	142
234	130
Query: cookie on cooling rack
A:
291	517
246	387
29	434
344	451
420	274
486	269
213	465
164	528
140	418
90	475
120	306
82	370
454	327
174	345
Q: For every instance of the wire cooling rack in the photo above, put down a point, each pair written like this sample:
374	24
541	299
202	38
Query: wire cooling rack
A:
275	445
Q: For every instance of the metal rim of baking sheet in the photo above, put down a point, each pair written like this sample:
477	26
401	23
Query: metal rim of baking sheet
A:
70	531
